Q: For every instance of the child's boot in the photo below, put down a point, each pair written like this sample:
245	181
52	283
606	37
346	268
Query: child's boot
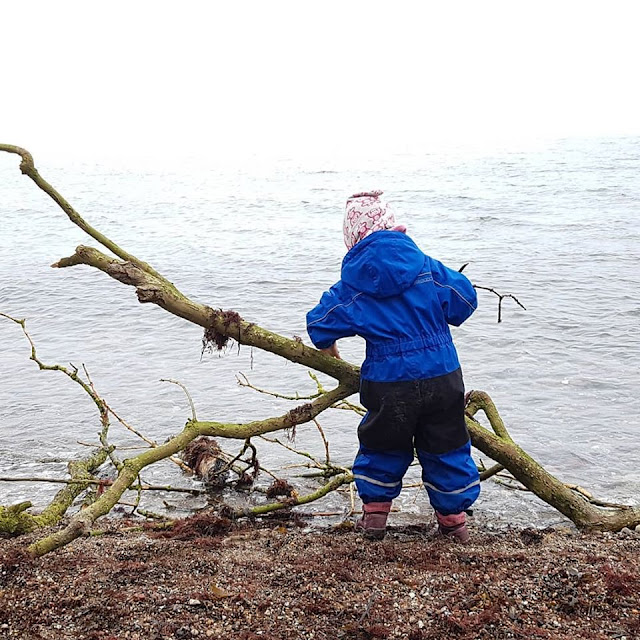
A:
453	526
374	519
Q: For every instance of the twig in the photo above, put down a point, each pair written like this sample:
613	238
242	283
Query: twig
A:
115	446
244	382
350	406
152	515
138	488
501	297
194	417
300	453
103	482
229	465
491	471
352	498
367	609
326	442
104	419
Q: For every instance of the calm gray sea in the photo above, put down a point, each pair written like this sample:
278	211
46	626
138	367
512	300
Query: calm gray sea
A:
557	225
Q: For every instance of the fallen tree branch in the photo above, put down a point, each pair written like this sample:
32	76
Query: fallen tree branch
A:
80	523
534	477
15	522
27	167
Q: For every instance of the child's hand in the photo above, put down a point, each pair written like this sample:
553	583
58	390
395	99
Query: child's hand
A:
332	351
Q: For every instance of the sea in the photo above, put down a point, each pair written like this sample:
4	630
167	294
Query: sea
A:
555	223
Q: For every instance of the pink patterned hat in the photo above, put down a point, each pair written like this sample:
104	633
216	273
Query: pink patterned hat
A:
365	214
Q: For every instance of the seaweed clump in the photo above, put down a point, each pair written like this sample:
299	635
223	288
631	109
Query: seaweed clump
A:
280	488
204	456
198	526
12	562
214	340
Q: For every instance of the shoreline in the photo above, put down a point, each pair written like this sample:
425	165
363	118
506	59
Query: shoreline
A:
209	578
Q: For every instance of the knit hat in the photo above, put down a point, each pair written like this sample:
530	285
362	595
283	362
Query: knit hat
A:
367	213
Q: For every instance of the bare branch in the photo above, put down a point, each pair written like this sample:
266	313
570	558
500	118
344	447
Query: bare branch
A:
325	441
490	472
501	297
27	167
103	483
194	417
243	381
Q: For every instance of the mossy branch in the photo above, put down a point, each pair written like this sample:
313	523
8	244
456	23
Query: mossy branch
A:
333	484
500	447
17	522
28	168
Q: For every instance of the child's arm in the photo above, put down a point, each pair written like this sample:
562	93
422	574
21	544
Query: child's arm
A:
456	293
330	319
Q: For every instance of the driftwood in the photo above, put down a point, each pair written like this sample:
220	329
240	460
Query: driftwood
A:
570	500
221	326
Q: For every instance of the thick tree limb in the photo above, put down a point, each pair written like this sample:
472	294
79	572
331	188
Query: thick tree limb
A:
532	475
226	323
151	286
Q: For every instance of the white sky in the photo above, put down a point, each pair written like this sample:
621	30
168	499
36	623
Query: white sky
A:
300	78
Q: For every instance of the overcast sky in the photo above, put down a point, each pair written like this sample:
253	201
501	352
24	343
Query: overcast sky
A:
322	78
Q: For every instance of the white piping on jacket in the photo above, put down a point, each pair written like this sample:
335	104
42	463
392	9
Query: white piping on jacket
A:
342	304
446	286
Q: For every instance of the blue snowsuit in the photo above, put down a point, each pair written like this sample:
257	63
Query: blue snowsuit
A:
401	302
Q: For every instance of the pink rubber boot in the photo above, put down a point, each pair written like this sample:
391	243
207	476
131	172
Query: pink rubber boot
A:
374	520
453	526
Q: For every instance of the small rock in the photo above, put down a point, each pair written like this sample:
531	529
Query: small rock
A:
638	528
194	603
572	572
627	533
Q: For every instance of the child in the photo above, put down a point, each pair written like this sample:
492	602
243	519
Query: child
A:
401	302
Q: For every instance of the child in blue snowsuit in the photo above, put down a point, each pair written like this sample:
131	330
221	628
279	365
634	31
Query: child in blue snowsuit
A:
401	302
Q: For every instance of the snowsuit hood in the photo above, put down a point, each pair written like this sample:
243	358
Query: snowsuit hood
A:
384	264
